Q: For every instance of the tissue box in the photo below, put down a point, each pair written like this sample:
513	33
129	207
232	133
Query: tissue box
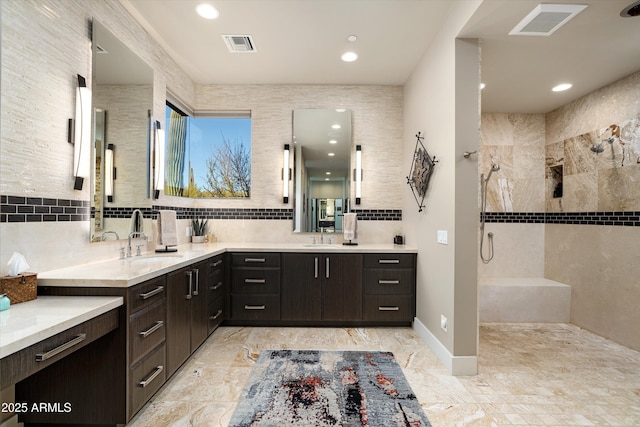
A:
20	288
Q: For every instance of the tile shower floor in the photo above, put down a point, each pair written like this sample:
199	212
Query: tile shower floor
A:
529	374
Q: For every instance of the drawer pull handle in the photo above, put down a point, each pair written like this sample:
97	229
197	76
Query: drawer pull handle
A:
217	263
388	282
255	307
216	287
41	357
152	329
258	281
254	260
388	261
215	317
151	377
149	294
383	308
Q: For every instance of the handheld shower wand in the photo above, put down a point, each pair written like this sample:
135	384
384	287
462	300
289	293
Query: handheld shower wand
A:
483	189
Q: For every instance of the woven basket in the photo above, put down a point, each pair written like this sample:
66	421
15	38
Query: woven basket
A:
20	288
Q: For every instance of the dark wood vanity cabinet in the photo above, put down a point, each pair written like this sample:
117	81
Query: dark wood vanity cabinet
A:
255	286
187	319
389	288
321	287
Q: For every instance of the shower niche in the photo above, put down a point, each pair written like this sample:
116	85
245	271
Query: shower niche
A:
555	176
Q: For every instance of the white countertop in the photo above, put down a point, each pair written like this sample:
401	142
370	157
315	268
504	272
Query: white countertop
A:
137	269
28	323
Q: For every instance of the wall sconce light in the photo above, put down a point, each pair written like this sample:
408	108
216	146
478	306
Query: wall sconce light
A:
158	160
81	132
358	173
109	171
286	174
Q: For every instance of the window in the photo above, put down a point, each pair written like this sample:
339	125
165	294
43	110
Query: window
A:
208	155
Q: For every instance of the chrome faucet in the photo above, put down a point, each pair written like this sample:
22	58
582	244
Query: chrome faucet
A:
134	234
321	235
104	235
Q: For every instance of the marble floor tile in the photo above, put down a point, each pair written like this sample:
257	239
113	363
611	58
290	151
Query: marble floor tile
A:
529	375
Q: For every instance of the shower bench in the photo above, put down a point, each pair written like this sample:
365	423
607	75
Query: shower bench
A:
523	300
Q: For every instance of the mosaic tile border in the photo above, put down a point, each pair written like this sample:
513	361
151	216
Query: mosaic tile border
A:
624	219
42	209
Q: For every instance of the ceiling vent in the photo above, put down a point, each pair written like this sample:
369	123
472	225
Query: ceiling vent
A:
545	19
239	43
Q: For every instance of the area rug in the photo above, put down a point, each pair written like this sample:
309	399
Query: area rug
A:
327	388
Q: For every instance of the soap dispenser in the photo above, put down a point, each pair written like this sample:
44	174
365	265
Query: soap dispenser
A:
5	302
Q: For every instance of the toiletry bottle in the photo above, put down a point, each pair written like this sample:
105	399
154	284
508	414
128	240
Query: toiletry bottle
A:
5	302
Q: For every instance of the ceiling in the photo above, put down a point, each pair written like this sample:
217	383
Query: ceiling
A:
300	42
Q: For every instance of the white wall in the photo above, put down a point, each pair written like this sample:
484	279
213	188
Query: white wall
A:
446	77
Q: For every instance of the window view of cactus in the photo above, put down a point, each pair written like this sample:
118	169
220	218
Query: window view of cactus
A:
207	157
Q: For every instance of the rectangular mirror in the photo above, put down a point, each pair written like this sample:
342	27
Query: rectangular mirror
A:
122	100
321	172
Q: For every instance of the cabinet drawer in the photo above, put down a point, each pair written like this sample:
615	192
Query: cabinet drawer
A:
147	376
147	293
389	261
215	313
385	281
388	308
21	364
255	260
148	329
255	307
215	288
255	281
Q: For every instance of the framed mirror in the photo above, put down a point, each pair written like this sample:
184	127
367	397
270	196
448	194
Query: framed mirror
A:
321	173
122	100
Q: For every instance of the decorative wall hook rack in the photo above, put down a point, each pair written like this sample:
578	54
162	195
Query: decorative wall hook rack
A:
421	170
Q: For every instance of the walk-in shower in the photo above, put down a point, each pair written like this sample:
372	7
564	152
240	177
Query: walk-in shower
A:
483	193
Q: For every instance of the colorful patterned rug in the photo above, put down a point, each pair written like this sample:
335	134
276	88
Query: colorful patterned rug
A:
327	388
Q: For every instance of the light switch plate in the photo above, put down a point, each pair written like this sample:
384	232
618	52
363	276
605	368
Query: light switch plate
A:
442	237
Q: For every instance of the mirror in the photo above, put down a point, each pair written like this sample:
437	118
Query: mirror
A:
122	100
321	171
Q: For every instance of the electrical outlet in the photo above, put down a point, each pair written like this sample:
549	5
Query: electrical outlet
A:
443	322
442	237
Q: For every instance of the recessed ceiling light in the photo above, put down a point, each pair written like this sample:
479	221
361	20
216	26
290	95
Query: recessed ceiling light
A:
349	56
336	126
327	173
207	11
331	154
352	38
562	87
340	110
333	141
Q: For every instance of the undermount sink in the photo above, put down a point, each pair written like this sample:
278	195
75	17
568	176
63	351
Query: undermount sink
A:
154	258
322	245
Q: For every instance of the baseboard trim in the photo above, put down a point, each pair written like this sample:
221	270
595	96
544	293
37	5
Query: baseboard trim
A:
456	365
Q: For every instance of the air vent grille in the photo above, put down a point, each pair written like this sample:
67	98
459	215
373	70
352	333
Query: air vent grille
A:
239	43
545	19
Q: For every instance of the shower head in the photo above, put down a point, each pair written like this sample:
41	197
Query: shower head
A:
599	148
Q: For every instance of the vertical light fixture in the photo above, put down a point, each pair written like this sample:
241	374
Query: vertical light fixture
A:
358	174
109	171
82	133
158	160
285	174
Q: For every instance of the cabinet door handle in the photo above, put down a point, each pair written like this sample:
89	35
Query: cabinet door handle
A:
152	329
197	290
254	260
255	307
388	282
258	281
383	308
216	287
190	274
316	267
217	263
41	357
214	317
151	377
388	261
152	293
327	267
